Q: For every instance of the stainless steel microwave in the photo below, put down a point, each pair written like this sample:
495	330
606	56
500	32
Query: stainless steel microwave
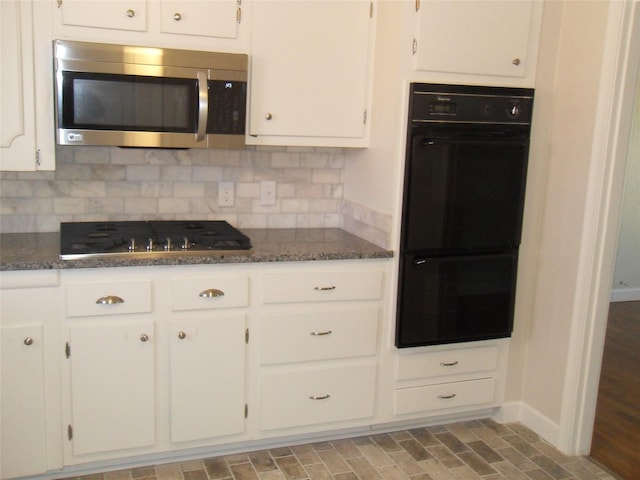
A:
133	96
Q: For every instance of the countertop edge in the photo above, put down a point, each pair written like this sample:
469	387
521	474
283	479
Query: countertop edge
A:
39	251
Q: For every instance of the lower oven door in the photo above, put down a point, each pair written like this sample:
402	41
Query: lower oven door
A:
455	298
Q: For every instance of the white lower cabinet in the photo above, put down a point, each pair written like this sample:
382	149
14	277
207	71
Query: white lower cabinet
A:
207	362
30	375
318	347
449	378
178	360
112	385
23	401
156	360
320	394
429	398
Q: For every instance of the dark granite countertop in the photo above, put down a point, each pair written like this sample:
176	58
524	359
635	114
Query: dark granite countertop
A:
39	251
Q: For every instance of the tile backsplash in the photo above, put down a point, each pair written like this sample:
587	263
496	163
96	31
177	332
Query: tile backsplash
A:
98	184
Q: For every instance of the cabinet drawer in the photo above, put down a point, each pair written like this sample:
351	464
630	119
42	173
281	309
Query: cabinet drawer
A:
313	396
446	362
207	293
318	335
321	286
444	395
108	298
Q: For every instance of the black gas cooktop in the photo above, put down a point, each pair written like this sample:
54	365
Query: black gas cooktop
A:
150	239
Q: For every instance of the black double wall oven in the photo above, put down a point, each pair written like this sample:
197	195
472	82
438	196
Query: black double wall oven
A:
465	175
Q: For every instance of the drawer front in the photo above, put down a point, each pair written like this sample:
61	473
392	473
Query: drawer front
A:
314	396
108	299
444	396
207	293
446	362
321	286
318	335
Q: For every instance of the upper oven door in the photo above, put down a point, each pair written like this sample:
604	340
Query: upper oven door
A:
464	190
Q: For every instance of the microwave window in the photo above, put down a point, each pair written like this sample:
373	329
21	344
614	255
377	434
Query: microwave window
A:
123	102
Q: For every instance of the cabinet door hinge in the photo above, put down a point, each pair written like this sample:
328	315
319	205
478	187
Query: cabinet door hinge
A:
417	5
246	410
371	10
70	432
38	157
246	336
67	350
239	14
364	118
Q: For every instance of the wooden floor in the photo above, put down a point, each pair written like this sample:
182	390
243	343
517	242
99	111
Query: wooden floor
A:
616	435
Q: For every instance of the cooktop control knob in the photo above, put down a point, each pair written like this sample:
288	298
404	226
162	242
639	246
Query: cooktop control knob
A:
132	245
168	245
185	244
150	245
514	110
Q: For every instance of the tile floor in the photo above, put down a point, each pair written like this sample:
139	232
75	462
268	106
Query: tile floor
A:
478	449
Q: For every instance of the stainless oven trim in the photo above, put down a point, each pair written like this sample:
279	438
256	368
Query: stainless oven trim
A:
144	139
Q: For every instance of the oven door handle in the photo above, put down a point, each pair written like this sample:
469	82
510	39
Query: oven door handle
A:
203	106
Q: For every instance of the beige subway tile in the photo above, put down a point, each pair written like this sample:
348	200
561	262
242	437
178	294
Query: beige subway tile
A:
143	173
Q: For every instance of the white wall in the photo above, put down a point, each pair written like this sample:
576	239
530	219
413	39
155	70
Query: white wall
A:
626	278
571	93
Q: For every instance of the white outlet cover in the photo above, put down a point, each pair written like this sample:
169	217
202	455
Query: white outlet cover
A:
226	194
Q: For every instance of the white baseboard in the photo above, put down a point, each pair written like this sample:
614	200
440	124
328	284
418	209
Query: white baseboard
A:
625	294
511	412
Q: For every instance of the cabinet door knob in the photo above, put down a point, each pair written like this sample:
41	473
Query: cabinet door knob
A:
516	61
131	13
211	293
182	335
268	116
177	16
28	341
144	337
109	300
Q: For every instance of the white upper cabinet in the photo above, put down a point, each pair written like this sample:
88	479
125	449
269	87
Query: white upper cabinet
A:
219	18
123	15
310	77
26	105
492	37
191	24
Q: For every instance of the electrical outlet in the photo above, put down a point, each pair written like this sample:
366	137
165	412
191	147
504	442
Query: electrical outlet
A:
267	193
226	194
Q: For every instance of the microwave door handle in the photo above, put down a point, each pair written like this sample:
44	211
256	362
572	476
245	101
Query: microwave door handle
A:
203	106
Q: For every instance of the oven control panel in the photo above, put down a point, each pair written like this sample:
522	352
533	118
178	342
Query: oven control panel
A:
478	104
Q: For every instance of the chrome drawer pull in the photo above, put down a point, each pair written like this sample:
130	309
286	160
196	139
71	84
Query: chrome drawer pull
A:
325	289
444	397
109	300
211	293
319	397
449	364
319	334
